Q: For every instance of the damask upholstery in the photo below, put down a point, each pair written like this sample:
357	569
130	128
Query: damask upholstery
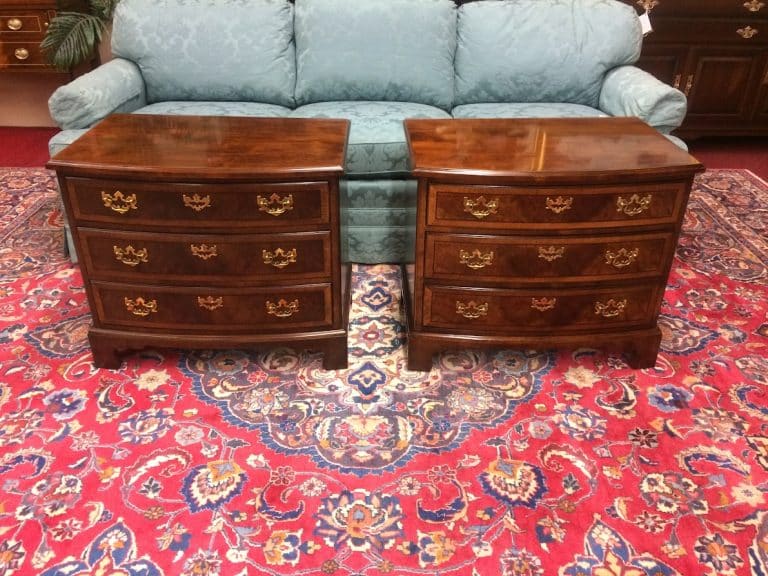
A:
397	50
376	63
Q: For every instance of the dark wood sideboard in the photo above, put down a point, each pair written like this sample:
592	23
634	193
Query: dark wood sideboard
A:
23	24
716	51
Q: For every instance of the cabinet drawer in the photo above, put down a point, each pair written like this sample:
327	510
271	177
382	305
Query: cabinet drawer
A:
479	310
499	207
536	258
745	30
27	24
203	206
200	309
138	257
21	54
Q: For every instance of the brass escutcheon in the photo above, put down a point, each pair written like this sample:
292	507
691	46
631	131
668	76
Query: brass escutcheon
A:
118	202
197	202
282	309
140	307
611	308
21	53
476	259
130	256
559	204
543	304
752	5
15	24
622	258
210	302
204	251
747	32
551	253
648	5
279	258
634	206
275	204
472	309
481	207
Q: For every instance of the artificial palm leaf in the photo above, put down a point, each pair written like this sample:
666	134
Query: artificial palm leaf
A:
73	36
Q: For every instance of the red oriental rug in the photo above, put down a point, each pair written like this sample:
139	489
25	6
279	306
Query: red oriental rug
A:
508	462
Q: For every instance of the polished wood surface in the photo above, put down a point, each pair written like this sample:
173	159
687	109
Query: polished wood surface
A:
550	149
542	233
198	232
202	148
22	27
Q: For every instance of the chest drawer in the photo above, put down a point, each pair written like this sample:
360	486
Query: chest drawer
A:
501	207
200	309
480	310
23	53
223	258
537	258
23	24
204	206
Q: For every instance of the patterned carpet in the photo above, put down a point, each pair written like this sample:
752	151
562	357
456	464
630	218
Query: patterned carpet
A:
512	463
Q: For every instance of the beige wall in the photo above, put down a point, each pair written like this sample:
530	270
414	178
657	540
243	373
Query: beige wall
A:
24	97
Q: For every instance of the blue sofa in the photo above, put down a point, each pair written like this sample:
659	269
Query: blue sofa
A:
374	62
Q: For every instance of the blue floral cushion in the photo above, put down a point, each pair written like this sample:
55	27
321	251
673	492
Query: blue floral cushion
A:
399	50
200	50
542	50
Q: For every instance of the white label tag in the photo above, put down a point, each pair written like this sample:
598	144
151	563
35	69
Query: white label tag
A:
645	23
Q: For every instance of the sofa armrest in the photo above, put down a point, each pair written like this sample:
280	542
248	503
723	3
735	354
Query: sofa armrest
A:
116	86
629	91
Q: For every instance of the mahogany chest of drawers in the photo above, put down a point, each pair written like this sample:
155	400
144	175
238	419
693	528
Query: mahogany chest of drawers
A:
542	233
208	232
22	27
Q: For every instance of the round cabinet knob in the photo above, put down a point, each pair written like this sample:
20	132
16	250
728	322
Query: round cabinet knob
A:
21	53
14	24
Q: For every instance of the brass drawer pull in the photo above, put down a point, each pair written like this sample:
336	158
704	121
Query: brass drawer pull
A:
130	256
622	258
204	251
481	207
634	206
551	253
752	6
21	53
140	307
275	205
648	5
543	304
196	202
282	309
279	258
210	303
15	24
747	32
559	204
611	308
476	259
472	309
676	83
119	202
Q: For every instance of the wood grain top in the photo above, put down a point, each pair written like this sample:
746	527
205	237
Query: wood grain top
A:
538	150
207	148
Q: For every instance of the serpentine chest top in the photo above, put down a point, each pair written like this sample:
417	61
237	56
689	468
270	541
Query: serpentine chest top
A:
208	232
542	233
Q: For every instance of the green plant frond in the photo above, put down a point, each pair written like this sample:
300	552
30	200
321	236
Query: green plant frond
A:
103	8
72	38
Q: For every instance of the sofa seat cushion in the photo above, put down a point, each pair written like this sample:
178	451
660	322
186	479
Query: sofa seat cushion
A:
542	50
525	110
394	50
376	145
201	50
204	108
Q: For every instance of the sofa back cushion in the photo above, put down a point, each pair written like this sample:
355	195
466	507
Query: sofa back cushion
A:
396	50
542	50
209	49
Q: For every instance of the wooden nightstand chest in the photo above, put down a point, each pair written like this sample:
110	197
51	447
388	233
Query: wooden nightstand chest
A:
208	232
542	233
